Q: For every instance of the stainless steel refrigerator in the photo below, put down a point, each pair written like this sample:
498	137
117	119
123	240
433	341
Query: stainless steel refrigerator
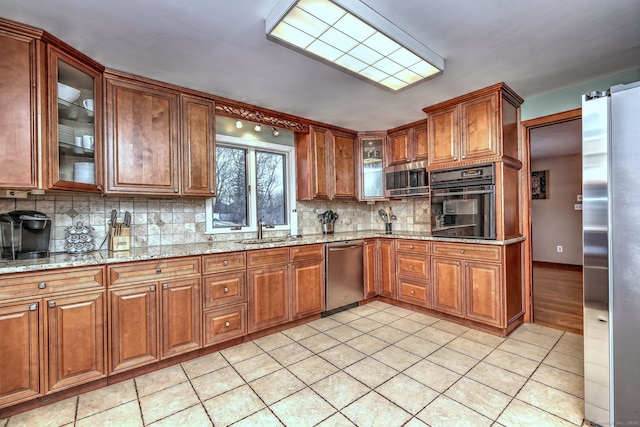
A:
611	244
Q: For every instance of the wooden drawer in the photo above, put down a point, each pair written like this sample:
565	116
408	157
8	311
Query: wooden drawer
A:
225	324
413	246
267	257
468	251
413	265
299	253
45	282
223	262
224	289
414	293
152	271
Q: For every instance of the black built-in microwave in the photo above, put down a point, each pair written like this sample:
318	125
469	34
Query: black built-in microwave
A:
407	180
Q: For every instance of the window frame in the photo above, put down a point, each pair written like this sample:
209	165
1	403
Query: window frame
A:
290	185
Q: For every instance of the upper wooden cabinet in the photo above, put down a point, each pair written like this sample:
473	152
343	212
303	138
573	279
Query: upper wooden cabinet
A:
479	127
74	152
198	146
408	143
326	165
22	96
142	138
370	161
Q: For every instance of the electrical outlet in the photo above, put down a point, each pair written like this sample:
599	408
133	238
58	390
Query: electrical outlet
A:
579	198
577	207
560	248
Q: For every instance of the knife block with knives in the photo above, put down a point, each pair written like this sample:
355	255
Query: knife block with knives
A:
120	232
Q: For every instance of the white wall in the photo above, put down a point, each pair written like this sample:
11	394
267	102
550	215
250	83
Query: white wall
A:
554	220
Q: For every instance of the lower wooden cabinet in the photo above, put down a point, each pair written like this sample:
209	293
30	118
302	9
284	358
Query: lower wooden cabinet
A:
180	317
77	336
414	292
225	323
369	267
413	269
292	288
269	296
483	292
447	285
133	327
20	334
387	268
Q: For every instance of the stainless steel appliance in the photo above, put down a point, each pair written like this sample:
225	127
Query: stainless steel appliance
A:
25	235
345	283
610	206
408	180
463	202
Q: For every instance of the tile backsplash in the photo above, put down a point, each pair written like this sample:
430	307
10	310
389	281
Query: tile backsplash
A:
158	222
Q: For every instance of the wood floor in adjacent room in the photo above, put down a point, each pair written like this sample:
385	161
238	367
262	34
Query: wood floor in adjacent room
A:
557	296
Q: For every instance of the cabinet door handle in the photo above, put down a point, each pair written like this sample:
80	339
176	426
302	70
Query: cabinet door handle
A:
42	285
225	263
286	267
158	270
212	191
152	288
458	263
226	290
33	307
466	264
464	156
455	158
227	324
51	304
175	190
293	266
99	187
165	286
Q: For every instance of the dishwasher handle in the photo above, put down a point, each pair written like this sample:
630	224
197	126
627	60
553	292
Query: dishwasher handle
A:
343	248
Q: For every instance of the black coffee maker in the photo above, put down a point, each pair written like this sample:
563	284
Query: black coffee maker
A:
25	234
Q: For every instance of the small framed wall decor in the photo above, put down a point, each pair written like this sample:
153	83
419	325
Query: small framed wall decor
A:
539	181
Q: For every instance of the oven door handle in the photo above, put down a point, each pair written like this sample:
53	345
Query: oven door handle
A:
435	193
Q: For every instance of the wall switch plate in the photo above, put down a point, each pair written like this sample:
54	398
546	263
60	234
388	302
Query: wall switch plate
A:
559	248
577	207
579	198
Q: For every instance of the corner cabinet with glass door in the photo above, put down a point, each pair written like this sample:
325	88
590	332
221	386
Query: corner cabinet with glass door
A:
371	164
75	93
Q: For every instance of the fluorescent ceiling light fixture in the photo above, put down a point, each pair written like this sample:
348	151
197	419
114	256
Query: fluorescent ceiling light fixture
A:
352	37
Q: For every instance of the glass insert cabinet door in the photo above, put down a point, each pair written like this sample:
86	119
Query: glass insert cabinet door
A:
75	91
371	155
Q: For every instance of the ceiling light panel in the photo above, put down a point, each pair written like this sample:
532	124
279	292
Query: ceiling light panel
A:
351	36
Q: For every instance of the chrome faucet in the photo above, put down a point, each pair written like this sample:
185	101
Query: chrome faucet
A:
260	224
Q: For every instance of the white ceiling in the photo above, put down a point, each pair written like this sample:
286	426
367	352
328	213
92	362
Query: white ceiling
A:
219	47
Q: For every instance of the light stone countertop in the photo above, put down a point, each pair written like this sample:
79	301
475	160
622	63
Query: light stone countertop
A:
64	260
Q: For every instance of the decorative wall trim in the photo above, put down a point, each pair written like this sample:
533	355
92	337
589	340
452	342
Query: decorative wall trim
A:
257	116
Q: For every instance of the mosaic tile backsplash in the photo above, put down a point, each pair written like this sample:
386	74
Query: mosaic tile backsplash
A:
158	222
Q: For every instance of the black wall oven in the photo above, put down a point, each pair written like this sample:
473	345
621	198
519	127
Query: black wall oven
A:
463	202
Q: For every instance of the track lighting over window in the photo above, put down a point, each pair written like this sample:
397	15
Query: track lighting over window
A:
275	131
257	127
238	124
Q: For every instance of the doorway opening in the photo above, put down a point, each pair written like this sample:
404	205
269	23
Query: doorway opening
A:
554	246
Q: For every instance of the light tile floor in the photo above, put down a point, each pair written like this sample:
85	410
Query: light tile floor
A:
374	365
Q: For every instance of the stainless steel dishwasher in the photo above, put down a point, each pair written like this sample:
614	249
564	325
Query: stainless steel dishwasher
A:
345	285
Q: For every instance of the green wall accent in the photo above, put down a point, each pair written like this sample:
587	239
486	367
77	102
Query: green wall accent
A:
570	98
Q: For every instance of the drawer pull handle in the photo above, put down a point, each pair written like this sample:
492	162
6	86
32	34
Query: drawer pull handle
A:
165	286
152	288
33	307
158	270
42	285
461	251
227	324
412	292
410	246
411	266
226	290
51	304
225	263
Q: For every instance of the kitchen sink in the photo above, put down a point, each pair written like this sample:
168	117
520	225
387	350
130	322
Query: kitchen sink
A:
267	240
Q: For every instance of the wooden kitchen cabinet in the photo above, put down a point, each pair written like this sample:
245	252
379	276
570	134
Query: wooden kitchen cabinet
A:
77	327
133	313
386	262
370	163
52	331
326	165
413	271
198	145
408	143
344	171
22	97
483	292
284	284
21	373
142	137
474	128
224	296
76	127
447	285
155	311
369	267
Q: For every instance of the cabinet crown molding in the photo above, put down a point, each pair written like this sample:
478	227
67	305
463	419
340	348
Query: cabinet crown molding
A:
507	92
